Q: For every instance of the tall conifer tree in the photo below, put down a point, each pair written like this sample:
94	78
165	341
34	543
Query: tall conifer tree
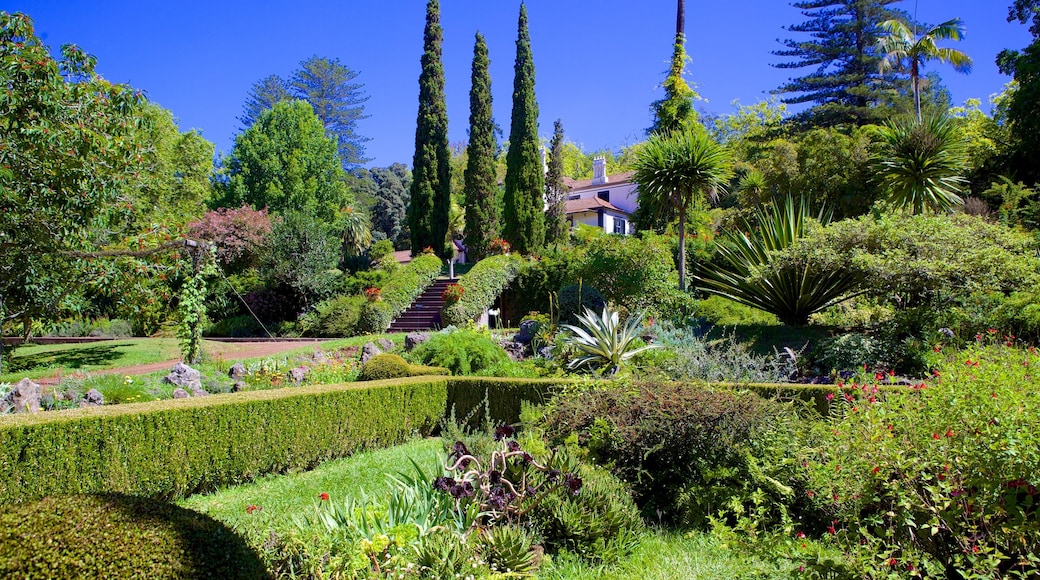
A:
555	190
480	187
523	219
431	169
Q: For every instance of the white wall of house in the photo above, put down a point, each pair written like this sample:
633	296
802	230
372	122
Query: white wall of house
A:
612	224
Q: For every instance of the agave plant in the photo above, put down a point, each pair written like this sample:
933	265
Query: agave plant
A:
746	271
605	342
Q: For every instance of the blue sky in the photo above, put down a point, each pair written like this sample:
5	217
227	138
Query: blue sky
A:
599	64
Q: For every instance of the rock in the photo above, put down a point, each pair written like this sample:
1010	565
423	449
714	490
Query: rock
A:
297	375
239	386
25	396
180	394
368	351
545	352
184	376
414	339
237	371
320	358
199	392
527	330
386	344
515	350
93	398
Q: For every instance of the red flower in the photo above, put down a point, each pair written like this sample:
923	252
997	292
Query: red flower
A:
831	530
949	432
830	396
324	496
892	562
875	470
800	535
935	436
253	508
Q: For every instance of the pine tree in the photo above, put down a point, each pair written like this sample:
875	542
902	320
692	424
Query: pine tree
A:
845	85
555	190
480	186
523	220
264	94
431	169
338	101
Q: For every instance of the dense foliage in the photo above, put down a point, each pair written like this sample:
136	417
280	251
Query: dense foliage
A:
463	352
481	187
481	286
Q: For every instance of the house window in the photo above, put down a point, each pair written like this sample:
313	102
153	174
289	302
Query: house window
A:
604	195
573	197
620	227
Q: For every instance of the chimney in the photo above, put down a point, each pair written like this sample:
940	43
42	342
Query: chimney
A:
599	170
545	163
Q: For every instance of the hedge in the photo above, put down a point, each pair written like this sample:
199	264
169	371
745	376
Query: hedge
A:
481	287
168	449
399	292
504	396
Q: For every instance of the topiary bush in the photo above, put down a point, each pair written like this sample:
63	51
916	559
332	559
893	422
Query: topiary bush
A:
119	536
393	366
463	352
481	287
575	298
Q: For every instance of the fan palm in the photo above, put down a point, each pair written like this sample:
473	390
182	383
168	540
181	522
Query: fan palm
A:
746	269
921	162
902	45
676	170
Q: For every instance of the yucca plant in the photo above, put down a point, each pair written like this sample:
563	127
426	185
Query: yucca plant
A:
745	269
605	342
921	163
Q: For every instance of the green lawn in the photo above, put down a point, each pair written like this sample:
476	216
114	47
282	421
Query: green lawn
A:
36	361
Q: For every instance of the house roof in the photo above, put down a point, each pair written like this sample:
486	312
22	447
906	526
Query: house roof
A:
616	179
573	206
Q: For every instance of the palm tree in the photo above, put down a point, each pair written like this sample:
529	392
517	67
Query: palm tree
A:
902	44
356	232
920	163
674	171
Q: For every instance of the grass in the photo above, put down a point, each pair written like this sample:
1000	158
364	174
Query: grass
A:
281	497
37	361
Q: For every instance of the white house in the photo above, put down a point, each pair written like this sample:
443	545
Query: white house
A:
605	201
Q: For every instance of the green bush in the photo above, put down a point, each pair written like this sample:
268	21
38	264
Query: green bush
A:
719	311
172	448
393	366
398	293
467	397
116	536
575	298
236	326
634	273
482	285
692	357
943	477
463	352
670	439
336	317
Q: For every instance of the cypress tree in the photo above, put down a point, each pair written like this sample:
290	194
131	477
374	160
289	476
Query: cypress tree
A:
523	220
431	169
555	191
480	186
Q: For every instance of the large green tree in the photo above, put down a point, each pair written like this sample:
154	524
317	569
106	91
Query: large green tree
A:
1022	110
837	43
286	162
902	47
338	100
431	166
480	186
678	170
555	190
386	188
523	220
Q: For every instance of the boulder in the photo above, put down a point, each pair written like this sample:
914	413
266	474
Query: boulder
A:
180	394
368	351
515	350
320	358
527	330
199	392
297	375
25	396
414	339
239	386
385	344
184	376
93	398
545	352
237	371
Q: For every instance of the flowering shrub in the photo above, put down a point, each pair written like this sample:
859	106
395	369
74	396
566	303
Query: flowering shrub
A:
373	294
239	234
498	247
452	294
940	480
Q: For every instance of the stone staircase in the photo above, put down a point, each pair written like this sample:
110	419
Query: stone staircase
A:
425	312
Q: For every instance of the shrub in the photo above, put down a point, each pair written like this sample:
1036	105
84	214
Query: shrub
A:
481	286
668	440
117	536
463	352
575	298
118	389
500	398
399	292
941	478
634	273
335	317
690	356
392	366
719	311
235	326
239	235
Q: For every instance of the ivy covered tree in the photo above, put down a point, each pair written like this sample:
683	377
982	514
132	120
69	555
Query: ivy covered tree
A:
844	82
555	190
431	166
285	162
481	187
675	110
330	87
523	220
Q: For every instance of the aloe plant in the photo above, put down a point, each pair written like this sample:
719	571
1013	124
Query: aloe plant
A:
746	269
605	342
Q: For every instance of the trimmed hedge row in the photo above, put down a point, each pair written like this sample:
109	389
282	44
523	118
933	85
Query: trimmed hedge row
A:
504	397
168	449
399	292
481	287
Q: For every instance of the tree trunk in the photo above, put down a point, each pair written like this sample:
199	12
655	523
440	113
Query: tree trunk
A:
914	78
680	19
1	333
682	245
